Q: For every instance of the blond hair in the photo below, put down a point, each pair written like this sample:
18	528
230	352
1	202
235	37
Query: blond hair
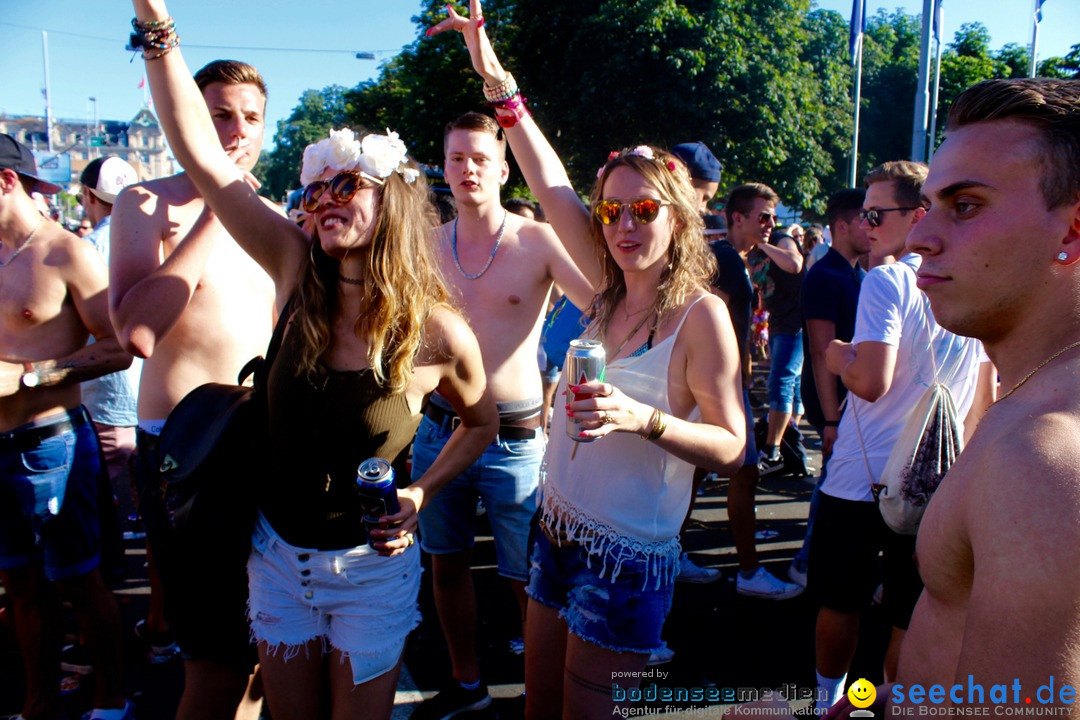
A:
690	263
401	286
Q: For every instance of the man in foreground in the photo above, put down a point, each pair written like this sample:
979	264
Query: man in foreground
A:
53	286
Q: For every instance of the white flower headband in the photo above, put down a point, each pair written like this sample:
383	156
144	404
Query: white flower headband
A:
375	155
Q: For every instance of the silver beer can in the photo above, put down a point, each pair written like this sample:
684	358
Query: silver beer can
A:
586	361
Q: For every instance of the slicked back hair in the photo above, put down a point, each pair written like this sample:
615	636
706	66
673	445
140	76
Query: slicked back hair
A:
1051	107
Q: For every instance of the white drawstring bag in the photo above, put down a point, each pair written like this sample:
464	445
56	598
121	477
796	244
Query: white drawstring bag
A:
925	450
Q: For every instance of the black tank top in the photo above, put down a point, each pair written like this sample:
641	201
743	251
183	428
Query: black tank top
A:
322	427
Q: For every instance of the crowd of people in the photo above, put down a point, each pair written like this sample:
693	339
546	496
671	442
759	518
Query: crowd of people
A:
393	331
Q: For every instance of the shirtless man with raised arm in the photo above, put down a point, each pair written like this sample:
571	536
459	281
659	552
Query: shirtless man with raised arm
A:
500	268
187	298
52	299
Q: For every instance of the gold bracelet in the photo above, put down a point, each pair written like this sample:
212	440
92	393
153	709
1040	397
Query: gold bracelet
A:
650	426
660	426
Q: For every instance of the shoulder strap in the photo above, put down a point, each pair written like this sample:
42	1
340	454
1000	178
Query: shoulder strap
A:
687	313
259	366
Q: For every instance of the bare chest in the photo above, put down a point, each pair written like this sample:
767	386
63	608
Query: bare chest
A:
515	284
32	297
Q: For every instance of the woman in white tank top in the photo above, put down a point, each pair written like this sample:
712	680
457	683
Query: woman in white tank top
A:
601	576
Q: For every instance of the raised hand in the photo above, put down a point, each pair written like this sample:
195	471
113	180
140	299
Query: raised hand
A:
482	54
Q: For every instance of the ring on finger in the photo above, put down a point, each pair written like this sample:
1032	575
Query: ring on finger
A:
606	419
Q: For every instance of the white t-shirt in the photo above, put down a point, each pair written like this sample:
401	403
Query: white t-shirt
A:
892	310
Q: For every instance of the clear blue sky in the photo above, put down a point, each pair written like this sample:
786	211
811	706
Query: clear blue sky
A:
86	57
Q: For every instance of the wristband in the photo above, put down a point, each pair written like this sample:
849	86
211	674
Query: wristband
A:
831	423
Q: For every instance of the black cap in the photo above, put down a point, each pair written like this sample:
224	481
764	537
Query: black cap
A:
16	156
699	160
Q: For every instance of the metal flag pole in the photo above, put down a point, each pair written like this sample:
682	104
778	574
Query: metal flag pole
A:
1036	18
922	92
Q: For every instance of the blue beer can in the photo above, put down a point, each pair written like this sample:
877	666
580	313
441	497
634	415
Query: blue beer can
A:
378	495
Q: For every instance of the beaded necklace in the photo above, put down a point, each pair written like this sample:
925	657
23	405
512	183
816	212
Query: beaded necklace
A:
491	258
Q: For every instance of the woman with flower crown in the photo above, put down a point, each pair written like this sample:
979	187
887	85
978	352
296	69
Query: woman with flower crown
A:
369	335
602	570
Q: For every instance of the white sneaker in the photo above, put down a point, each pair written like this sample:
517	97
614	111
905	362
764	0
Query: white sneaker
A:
691	573
796	575
765	585
660	656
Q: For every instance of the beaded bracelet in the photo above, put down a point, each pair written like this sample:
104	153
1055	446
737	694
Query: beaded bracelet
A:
515	105
154	35
505	90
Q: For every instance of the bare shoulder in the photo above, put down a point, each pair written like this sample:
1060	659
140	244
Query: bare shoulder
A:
704	313
1020	469
446	334
172	190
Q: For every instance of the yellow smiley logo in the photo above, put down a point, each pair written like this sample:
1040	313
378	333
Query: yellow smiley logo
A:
862	693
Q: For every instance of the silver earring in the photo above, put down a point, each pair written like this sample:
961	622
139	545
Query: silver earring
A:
1063	256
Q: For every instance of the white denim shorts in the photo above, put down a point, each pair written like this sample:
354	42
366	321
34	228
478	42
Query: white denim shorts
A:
358	602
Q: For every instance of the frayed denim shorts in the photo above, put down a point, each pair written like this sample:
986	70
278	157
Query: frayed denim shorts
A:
624	614
356	601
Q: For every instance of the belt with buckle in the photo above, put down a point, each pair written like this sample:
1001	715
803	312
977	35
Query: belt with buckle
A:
27	438
523	429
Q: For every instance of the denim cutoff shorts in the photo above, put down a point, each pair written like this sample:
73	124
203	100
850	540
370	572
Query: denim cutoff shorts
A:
361	603
785	373
624	615
48	499
505	478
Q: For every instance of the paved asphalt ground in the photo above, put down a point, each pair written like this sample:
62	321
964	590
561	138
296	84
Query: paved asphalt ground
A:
720	639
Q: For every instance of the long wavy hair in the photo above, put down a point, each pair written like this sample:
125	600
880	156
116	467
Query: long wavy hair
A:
401	286
690	263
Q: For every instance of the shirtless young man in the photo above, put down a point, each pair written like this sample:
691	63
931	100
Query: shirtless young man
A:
1000	246
187	298
500	268
52	299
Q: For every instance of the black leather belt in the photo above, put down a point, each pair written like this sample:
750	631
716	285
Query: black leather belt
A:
27	438
524	429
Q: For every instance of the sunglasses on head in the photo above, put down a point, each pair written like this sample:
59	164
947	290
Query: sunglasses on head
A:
873	217
643	210
342	186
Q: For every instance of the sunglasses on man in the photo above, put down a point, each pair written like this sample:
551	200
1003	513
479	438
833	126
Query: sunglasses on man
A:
343	187
873	217
643	210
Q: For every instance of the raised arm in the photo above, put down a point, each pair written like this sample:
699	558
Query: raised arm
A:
541	166
275	243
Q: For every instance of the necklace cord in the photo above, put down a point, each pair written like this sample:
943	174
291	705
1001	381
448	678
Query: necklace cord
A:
491	258
1037	368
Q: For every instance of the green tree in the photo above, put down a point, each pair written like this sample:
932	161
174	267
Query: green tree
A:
318	112
602	74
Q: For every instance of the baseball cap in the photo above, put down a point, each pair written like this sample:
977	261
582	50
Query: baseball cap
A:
699	160
16	156
105	177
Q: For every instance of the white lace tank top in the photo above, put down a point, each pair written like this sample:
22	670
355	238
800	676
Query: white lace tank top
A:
621	496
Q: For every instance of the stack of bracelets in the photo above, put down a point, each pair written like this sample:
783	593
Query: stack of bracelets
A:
505	97
657	425
155	37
